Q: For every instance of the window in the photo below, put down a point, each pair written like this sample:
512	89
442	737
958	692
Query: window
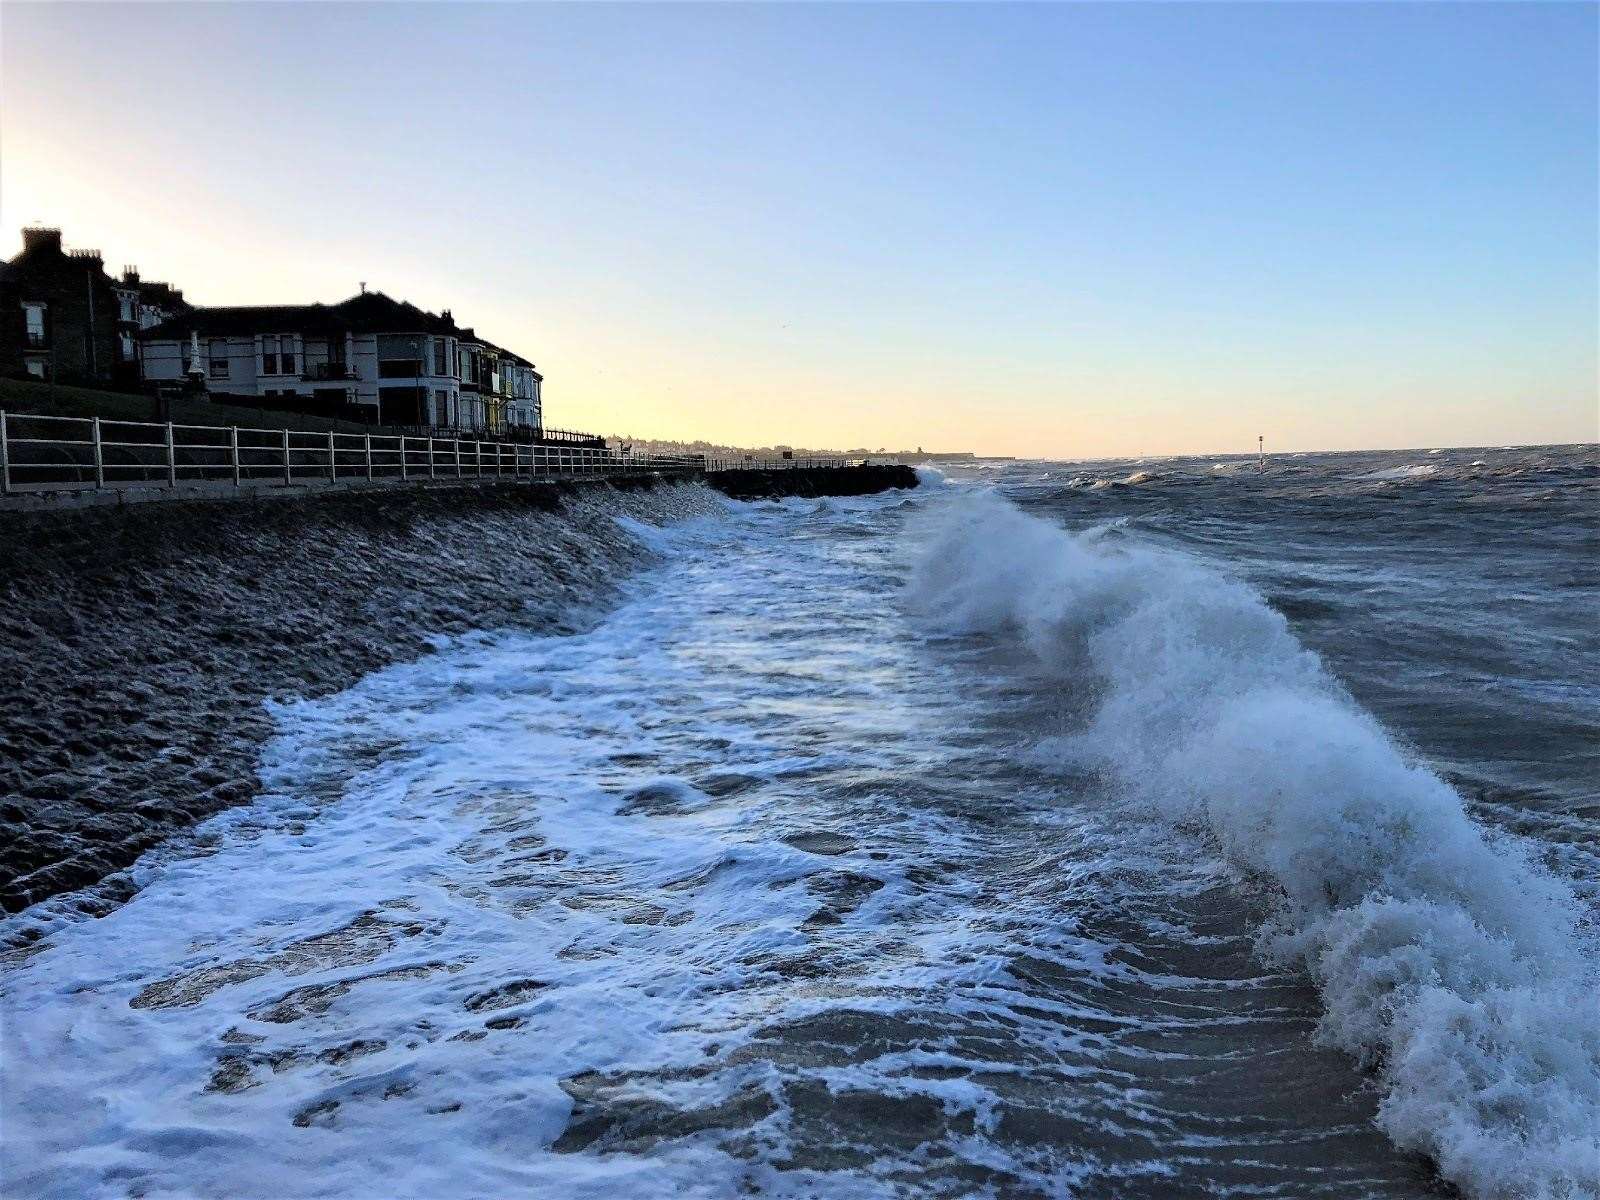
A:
35	319
440	356
126	306
219	359
277	354
125	346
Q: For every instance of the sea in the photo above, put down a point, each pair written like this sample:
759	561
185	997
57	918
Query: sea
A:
1158	828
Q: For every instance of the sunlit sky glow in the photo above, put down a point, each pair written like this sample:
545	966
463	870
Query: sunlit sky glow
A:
1069	231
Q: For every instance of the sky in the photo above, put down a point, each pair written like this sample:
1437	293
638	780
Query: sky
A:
1040	230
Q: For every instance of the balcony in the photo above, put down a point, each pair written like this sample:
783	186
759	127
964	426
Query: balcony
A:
323	371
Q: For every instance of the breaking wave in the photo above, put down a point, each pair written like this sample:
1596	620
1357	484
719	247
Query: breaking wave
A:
1412	471
1448	961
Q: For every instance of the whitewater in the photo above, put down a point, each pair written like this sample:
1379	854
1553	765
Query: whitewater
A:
1125	829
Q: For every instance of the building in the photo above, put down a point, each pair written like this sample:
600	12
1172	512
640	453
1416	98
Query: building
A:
368	358
140	306
63	317
499	389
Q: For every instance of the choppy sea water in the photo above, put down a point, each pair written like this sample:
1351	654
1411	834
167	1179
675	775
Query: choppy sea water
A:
1139	829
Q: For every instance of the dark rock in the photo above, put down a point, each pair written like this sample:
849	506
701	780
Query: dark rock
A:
760	483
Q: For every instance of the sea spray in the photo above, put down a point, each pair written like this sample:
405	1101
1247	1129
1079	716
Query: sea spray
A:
1447	960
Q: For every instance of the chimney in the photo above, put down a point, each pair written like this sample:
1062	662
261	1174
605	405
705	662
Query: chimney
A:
130	276
41	239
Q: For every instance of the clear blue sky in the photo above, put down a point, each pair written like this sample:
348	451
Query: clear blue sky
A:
1066	230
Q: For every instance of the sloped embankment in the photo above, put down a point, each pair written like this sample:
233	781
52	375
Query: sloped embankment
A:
137	644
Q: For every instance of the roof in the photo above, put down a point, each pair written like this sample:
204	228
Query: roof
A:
368	312
470	336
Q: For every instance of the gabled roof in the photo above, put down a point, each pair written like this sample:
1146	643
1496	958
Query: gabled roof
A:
368	312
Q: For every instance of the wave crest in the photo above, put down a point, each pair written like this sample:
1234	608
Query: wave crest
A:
1447	961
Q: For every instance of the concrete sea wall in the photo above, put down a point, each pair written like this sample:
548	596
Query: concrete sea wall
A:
138	644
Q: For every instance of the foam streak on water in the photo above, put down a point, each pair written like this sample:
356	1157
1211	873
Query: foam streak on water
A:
902	846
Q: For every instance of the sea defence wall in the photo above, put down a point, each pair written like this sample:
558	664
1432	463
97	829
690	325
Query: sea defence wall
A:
862	480
139	644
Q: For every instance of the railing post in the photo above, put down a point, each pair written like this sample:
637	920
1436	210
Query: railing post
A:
405	470
5	458
233	451
288	473
430	456
367	448
333	470
477	458
172	458
457	442
99	455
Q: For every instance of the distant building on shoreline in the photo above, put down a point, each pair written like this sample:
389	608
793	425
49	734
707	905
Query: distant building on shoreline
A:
63	317
369	358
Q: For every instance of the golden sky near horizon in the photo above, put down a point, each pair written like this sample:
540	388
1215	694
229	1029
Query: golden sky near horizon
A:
814	246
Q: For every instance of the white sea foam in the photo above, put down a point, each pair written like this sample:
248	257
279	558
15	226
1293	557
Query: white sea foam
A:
1409	471
463	897
1447	961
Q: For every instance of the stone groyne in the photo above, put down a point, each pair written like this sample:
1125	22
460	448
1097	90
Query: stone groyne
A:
865	480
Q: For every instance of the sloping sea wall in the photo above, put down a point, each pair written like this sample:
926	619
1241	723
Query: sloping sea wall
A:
138	644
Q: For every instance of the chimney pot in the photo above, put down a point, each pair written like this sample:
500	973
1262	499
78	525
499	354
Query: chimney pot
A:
41	238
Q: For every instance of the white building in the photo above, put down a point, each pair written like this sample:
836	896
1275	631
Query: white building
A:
499	389
369	358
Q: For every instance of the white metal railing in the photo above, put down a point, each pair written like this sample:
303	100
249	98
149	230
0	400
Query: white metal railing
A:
40	454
